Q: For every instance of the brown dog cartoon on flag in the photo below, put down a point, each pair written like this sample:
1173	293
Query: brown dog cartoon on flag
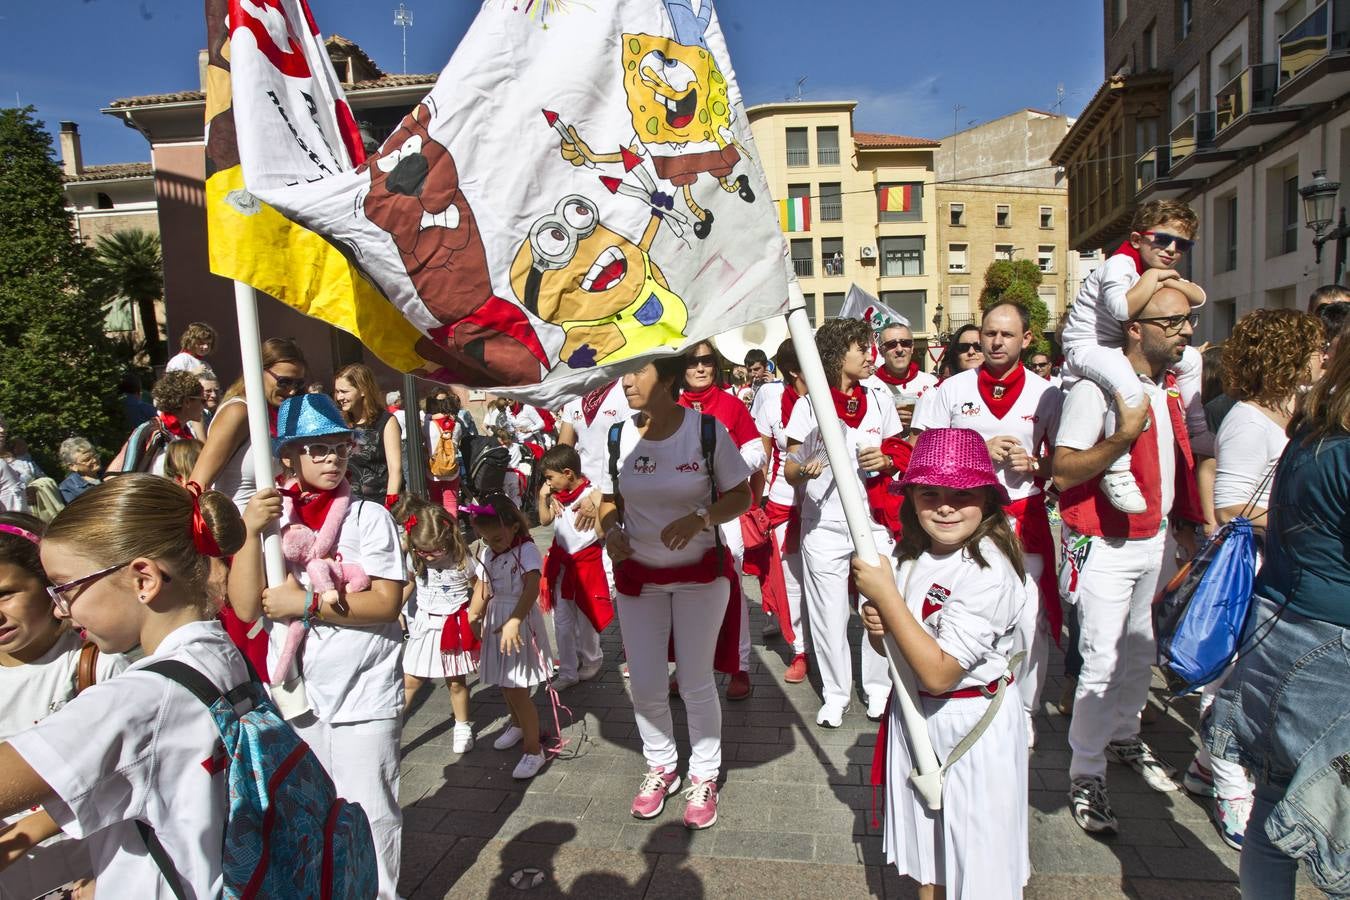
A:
415	196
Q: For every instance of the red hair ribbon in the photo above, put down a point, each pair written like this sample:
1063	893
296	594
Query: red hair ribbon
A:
19	532
408	525
202	538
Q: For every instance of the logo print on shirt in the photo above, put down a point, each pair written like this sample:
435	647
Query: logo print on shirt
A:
971	409
687	467
644	465
934	600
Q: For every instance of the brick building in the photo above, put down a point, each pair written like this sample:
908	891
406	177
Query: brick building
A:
1229	107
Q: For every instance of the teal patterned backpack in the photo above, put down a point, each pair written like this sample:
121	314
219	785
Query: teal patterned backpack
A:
287	833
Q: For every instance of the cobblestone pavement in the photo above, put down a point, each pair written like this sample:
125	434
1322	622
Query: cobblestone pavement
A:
795	815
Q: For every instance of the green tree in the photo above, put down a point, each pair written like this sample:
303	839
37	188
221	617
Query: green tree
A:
130	266
1016	281
58	370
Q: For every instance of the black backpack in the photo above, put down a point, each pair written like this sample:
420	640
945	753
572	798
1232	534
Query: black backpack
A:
487	473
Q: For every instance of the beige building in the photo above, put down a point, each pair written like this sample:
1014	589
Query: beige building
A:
873	214
1000	197
106	199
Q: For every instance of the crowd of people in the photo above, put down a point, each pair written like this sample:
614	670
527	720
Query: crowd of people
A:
662	490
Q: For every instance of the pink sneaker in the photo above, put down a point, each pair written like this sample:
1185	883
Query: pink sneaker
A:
657	785
701	809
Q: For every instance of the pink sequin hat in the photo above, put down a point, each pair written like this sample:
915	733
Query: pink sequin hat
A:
952	458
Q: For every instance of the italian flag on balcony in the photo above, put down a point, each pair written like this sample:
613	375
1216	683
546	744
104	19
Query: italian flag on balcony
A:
795	214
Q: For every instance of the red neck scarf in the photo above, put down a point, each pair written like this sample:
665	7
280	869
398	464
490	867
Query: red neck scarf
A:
702	401
724	408
272	413
176	426
590	403
1127	249
311	506
790	398
851	406
567	498
1001	395
885	375
445	423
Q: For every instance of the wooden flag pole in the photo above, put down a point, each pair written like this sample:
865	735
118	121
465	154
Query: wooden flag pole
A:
926	777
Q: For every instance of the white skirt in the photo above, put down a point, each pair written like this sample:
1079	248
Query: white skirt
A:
976	845
531	665
422	656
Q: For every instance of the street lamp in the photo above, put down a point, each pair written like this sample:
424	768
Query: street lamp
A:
1319	205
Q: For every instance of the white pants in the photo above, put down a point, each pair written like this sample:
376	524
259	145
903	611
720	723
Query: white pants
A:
1110	370
734	540
362	758
693	612
792	578
827	549
578	641
1032	636
1230	779
1116	584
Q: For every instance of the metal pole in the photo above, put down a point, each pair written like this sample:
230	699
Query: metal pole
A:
925	778
415	476
1341	233
259	435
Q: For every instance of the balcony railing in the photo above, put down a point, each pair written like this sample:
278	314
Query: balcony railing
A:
832	267
831	210
1252	90
1323	31
803	267
1196	132
827	156
1150	167
798	157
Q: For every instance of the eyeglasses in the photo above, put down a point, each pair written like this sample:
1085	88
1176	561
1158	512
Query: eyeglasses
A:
286	384
967	347
58	592
707	360
1161	240
888	346
1172	325
320	451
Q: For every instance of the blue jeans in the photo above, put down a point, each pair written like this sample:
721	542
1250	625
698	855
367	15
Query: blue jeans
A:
1264	871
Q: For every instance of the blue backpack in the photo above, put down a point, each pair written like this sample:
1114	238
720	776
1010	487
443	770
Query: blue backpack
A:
287	833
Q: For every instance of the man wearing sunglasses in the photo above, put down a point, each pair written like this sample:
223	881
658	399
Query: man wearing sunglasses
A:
1115	560
899	376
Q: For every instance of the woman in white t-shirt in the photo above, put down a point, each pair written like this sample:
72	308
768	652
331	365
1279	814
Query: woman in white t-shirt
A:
196	344
350	707
43	665
130	559
1272	356
672	575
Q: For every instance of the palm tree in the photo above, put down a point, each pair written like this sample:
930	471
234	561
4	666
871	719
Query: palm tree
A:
131	265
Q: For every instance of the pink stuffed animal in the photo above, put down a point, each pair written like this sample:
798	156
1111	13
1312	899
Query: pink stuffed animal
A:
315	551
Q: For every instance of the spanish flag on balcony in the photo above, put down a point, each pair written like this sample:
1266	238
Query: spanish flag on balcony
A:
897	198
795	214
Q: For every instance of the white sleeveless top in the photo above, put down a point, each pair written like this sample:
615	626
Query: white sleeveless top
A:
235	479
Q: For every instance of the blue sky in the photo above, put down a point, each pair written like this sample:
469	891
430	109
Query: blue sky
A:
907	63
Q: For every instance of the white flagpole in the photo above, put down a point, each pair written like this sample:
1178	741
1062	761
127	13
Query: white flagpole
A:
260	437
925	778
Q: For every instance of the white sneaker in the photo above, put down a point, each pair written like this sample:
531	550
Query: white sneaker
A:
1140	757
563	682
876	707
623	669
462	739
1123	492
528	767
586	673
509	738
831	715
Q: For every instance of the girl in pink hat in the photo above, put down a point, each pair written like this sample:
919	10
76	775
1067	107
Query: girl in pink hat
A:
953	610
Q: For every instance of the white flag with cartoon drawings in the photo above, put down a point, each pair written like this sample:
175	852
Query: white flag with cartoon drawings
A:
579	190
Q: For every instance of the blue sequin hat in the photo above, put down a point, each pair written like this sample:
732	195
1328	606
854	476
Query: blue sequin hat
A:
308	416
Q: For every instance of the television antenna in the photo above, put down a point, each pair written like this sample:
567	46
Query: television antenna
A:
403	18
798	96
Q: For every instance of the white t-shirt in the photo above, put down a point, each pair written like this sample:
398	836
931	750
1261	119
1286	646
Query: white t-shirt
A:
134	748
662	481
565	530
528	424
1033	419
592	438
1247	448
184	361
820	502
907	394
352	673
505	572
971	611
768	413
445	587
34	691
1081	428
1097	316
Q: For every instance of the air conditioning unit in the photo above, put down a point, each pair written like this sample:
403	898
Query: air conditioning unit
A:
867	251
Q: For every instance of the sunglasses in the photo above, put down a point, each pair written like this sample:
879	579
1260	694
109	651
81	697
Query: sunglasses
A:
286	384
888	346
320	451
707	360
1172	325
1040	365
967	347
1161	240
63	604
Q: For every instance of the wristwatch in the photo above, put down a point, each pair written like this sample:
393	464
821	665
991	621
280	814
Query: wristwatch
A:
702	513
